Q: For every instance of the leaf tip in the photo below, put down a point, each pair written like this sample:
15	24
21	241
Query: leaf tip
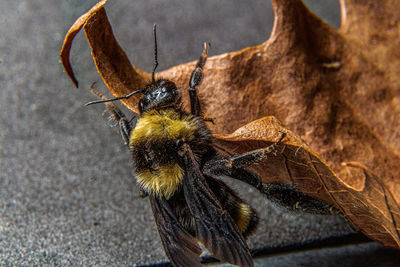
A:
69	37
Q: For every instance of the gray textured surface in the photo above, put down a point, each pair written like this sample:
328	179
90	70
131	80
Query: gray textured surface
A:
67	195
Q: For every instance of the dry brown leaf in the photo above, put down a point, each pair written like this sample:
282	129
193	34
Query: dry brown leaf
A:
111	61
338	90
369	204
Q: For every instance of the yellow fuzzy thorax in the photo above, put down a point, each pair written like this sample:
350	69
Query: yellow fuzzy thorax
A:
155	126
163	124
163	181
244	217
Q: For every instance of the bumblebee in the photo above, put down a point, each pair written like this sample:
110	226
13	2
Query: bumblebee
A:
178	169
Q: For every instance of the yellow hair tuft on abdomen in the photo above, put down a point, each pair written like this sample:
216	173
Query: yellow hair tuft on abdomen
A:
244	216
163	181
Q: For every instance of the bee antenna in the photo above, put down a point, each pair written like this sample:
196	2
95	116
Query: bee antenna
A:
155	53
116	98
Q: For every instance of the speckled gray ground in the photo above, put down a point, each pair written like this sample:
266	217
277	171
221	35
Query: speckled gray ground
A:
67	195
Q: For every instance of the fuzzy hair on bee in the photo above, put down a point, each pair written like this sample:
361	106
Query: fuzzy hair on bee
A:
179	169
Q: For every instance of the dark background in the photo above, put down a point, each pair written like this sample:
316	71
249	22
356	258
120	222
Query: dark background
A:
68	196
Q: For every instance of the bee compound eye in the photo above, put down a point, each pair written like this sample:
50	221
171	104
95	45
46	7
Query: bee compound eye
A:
169	86
142	104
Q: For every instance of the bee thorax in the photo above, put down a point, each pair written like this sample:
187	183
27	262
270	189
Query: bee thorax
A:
155	143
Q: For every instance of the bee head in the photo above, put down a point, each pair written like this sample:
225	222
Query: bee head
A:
159	94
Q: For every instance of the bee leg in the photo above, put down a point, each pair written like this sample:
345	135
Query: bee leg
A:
219	166
253	157
294	200
125	129
119	116
282	194
235	166
195	80
116	114
143	193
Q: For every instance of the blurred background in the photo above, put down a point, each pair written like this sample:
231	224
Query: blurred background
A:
67	193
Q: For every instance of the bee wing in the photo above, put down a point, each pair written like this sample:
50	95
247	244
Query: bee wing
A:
214	226
181	248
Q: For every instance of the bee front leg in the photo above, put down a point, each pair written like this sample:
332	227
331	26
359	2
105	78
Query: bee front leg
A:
124	125
125	129
116	114
195	80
